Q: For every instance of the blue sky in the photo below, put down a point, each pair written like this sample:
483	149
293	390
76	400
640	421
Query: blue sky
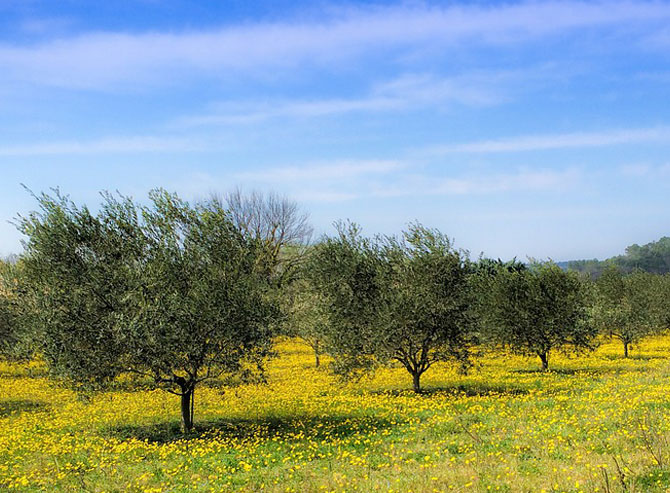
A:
518	128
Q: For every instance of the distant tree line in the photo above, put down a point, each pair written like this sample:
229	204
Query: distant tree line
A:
177	294
653	257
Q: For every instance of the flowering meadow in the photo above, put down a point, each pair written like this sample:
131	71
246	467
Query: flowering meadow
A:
596	422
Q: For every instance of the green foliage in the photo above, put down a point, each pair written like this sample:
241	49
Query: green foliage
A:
427	316
168	291
394	299
483	276
662	301
18	339
593	268
305	315
489	268
537	310
653	257
346	271
628	307
9	327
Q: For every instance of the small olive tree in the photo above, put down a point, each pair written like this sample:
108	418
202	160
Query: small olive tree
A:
537	310
483	276
10	329
401	299
627	306
305	315
166	291
345	271
427	307
17	308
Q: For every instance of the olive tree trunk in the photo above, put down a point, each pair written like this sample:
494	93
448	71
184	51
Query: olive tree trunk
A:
416	381
187	409
544	358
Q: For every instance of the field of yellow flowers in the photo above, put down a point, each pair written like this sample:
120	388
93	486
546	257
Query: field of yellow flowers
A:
595	423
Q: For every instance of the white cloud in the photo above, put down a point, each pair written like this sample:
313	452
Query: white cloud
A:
107	59
635	170
246	113
405	92
338	170
137	144
558	141
333	181
645	170
518	180
359	179
166	143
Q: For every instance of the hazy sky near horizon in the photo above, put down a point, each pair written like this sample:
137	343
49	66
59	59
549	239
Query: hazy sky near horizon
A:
518	128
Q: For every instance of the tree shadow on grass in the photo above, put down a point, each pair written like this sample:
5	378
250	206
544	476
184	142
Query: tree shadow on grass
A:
640	357
591	371
558	371
18	406
469	389
268	428
24	372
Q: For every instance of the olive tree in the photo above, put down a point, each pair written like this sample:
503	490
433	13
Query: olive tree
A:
345	271
305	315
10	329
166	291
18	331
401	299
626	306
426	314
537	310
483	276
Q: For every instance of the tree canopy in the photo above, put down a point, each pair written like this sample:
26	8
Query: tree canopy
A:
628	307
11	333
401	299
167	291
536	310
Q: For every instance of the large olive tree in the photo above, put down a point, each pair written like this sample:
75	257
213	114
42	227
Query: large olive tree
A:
167	291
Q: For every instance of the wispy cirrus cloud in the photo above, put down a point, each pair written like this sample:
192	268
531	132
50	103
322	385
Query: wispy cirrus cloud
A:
240	113
557	141
359	179
193	143
337	170
124	144
645	170
521	179
326	181
107	59
409	91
